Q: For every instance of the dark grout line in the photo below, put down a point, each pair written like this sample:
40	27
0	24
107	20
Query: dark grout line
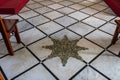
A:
100	72
25	71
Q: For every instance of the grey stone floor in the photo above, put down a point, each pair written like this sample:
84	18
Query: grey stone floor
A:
90	21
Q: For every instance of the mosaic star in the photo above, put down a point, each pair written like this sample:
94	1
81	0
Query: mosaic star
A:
64	49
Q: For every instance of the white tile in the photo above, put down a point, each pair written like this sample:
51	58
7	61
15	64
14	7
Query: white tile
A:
38	0
89	74
96	1
64	72
33	6
39	51
60	35
65	21
43	10
98	7
46	2
66	10
104	16
113	21
92	51
53	14
109	65
37	73
77	6
116	47
95	22
66	3
55	6
50	27
100	38
81	28
28	14
31	35
89	11
14	65
15	46
76	0
30	2
57	0
87	3
24	9
23	25
78	15
109	28
38	20
109	11
14	17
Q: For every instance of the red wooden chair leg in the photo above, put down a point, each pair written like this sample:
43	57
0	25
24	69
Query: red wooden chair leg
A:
115	37
17	35
119	54
8	44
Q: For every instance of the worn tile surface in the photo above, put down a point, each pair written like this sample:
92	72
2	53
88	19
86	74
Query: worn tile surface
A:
91	22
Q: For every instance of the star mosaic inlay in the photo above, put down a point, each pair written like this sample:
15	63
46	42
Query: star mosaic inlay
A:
64	49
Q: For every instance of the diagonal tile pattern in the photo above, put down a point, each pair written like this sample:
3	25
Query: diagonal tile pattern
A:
90	21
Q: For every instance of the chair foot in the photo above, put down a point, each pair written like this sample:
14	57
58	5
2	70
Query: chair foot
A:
119	54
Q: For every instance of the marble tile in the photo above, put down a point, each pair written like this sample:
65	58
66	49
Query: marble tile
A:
91	53
14	65
64	72
78	15
89	11
4	15
81	28
109	28
23	25
104	16
100	38
76	0
87	3
103	3
24	9
113	21
53	15
28	14
66	3
40	73
98	7
55	6
109	11
38	0
66	10
57	0
43	10
65	21
106	65
33	6
50	27
77	6
38	20
95	22
39	51
46	2
30	2
116	47
89	74
95	1
31	35
60	35
15	46
14	17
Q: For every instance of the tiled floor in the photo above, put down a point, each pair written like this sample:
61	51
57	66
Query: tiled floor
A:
90	21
